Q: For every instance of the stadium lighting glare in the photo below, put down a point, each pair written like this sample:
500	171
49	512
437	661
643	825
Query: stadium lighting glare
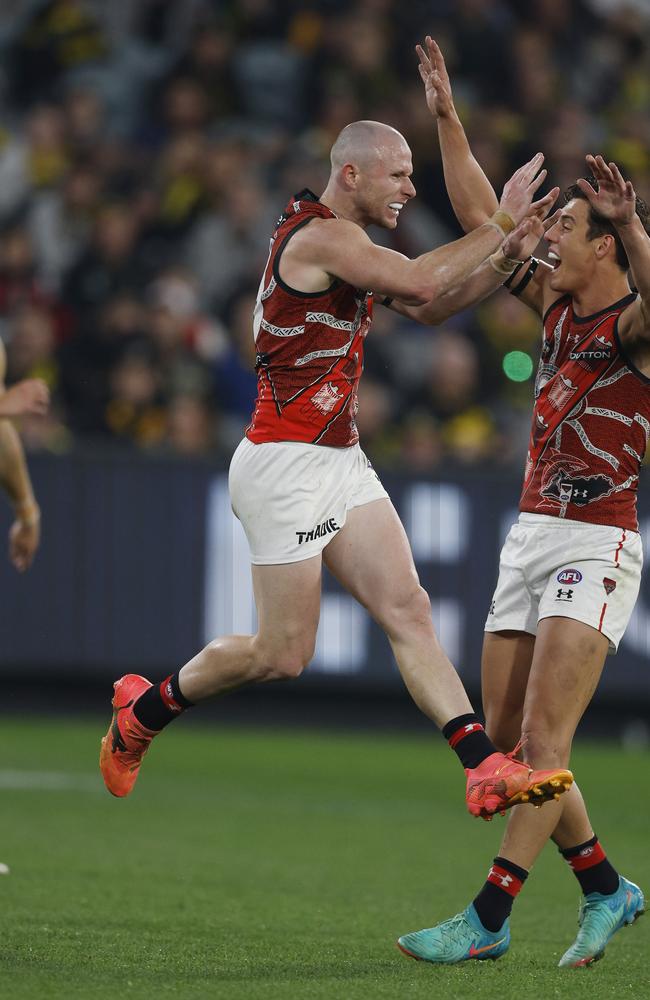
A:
518	366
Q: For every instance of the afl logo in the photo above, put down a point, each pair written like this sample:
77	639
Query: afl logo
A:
569	576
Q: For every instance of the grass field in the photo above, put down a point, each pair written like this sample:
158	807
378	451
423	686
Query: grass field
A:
281	866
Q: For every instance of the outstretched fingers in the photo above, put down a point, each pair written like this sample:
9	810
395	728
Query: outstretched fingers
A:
587	190
425	66
541	206
437	58
552	219
625	186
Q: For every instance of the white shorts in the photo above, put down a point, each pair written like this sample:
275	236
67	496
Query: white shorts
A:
293	498
557	567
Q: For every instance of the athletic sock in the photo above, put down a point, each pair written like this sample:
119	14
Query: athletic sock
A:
494	902
590	866
466	736
160	704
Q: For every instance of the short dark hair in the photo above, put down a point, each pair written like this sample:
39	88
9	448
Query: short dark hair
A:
598	225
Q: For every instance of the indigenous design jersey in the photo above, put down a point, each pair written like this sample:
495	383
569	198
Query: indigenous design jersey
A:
590	422
309	348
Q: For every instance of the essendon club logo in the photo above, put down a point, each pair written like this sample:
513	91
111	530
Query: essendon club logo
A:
609	585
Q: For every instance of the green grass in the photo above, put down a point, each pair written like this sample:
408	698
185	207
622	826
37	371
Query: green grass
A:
283	866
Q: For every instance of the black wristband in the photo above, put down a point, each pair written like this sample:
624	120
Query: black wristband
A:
511	278
518	289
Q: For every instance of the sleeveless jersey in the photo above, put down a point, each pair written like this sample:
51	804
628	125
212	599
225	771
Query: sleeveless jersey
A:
309	348
591	421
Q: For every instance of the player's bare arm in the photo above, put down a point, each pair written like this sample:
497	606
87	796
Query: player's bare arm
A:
490	275
24	534
471	194
339	248
615	200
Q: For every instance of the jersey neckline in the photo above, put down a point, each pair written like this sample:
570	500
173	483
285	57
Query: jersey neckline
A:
613	305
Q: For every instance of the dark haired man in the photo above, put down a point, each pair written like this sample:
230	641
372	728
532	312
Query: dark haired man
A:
571	566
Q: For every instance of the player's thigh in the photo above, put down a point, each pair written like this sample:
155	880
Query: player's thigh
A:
287	597
505	667
568	661
371	557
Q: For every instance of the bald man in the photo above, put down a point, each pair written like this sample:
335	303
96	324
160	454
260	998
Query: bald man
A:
302	488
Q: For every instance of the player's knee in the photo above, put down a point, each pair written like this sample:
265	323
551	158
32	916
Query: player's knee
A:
288	663
410	608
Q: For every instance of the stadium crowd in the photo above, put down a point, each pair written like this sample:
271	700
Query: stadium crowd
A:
147	148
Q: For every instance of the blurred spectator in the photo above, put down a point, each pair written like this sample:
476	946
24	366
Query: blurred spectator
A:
61	222
191	427
135	409
58	36
110	263
235	382
230	245
32	344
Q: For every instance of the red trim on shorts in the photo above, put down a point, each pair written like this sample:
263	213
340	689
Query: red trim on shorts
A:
602	615
618	549
460	734
587	858
505	880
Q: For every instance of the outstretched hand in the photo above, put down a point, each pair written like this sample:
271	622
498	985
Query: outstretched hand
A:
615	198
24	538
437	88
522	242
518	192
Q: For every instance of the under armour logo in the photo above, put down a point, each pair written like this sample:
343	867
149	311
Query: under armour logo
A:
564	595
505	880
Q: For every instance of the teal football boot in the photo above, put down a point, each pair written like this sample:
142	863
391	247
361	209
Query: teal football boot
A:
456	940
599	919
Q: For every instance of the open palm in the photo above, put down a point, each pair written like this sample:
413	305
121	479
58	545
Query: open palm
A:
615	198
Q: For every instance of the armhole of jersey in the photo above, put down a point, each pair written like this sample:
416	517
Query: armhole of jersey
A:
276	268
552	306
621	350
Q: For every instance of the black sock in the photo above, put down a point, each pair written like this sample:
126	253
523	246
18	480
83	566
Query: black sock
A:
590	866
466	736
160	704
494	902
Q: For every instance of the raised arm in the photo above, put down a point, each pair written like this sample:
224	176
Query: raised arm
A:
471	194
24	534
616	200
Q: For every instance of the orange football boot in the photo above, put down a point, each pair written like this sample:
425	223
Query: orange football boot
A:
502	781
127	740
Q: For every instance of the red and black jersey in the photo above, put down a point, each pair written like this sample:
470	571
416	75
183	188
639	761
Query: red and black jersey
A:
309	348
591	421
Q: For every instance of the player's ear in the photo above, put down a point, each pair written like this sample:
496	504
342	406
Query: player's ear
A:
350	176
604	245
